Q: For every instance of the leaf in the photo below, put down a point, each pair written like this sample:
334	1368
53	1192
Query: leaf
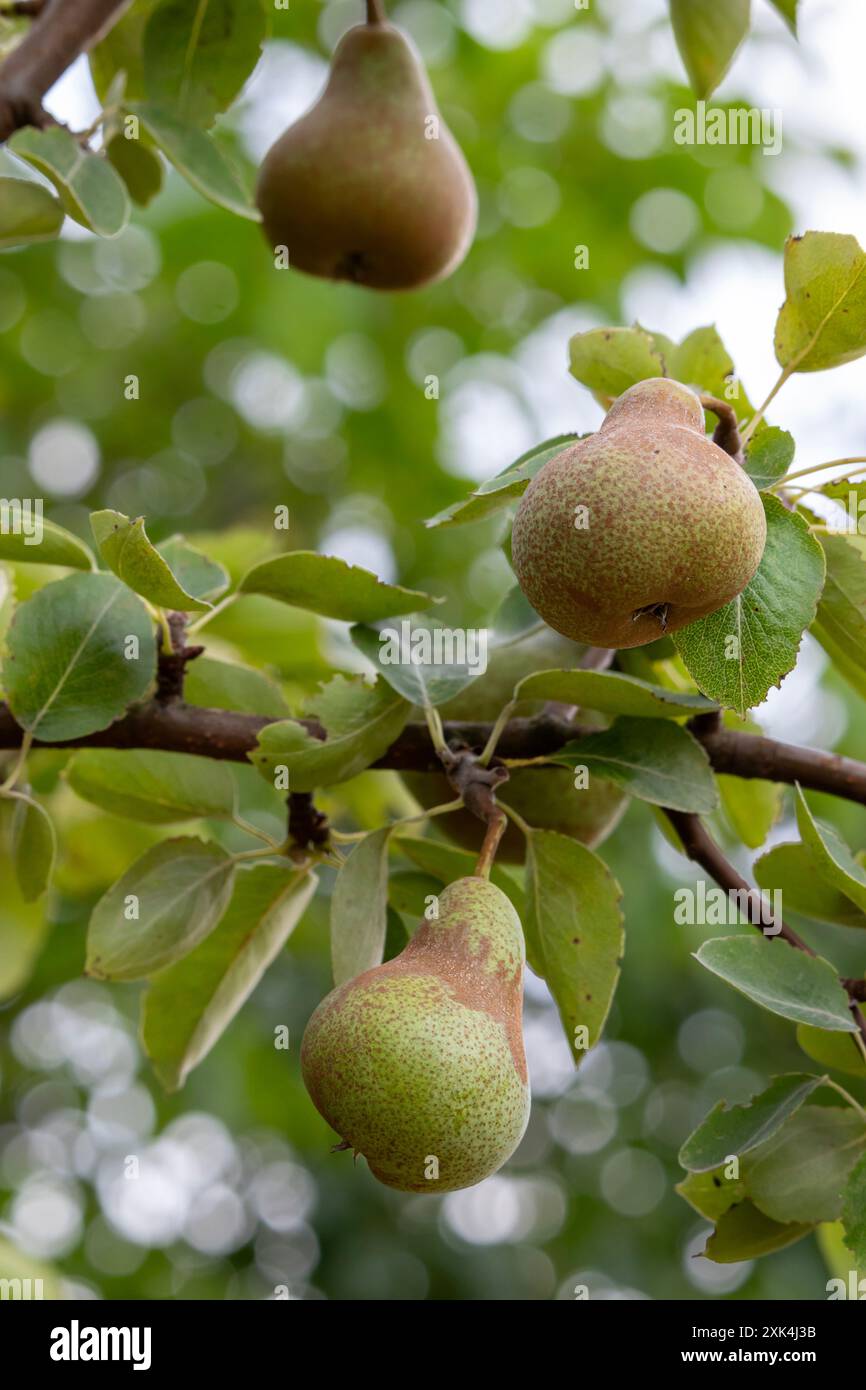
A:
751	808
359	908
28	213
610	360
611	692
23	928
227	685
67	672
409	889
840	624
726	1133
781	979
138	165
196	574
508	485
800	1173
854	1213
124	546
404	658
823	320
151	786
708	35
659	762
179	889
90	189
769	455
34	846
574	932
120	51
197	158
711	1194
791	869
197	58
745	1233
189	1006
46	544
330	586
702	361
832	857
361	722
447	863
765	623
838	1051
788	10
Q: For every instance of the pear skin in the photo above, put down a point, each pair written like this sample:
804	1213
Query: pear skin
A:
640	529
418	1064
370	186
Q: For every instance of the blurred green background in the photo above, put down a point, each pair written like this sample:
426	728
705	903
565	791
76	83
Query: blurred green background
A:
261	388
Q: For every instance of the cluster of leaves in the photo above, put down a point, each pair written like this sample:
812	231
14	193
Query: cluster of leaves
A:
709	35
164	73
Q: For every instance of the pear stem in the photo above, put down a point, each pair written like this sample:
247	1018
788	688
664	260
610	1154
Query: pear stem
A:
727	435
376	12
496	827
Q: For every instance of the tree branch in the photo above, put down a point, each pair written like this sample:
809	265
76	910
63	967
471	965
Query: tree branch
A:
62	30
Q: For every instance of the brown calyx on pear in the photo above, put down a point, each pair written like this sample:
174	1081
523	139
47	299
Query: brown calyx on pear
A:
640	529
370	186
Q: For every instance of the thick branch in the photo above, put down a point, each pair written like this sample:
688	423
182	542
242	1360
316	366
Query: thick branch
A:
752	756
62	30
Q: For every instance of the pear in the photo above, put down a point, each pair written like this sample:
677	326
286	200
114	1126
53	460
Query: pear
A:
546	798
370	185
640	529
418	1064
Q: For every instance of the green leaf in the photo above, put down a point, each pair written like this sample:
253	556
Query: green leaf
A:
330	586
711	1194
196	574
361	722
854	1213
769	455
79	653
793	870
788	10
34	846
708	35
726	1133
138	165
833	859
781	979
447	863
751	808
838	1051
409	889
23	928
611	692
124	546
150	786
55	546
198	57
823	320
120	51
702	361
574	932
508	485
656	761
197	158
404	658
359	908
226	685
610	360
800	1174
163	906
28	213
90	189
189	1006
840	624
745	1233
739	653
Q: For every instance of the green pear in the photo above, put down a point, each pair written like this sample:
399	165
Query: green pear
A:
640	529
418	1064
370	185
546	798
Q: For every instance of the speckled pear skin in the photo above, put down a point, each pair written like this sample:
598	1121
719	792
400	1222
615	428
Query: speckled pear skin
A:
673	521
355	189
545	797
422	1058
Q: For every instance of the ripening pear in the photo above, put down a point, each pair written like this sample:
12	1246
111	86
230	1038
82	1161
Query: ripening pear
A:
640	529
418	1064
545	797
370	185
